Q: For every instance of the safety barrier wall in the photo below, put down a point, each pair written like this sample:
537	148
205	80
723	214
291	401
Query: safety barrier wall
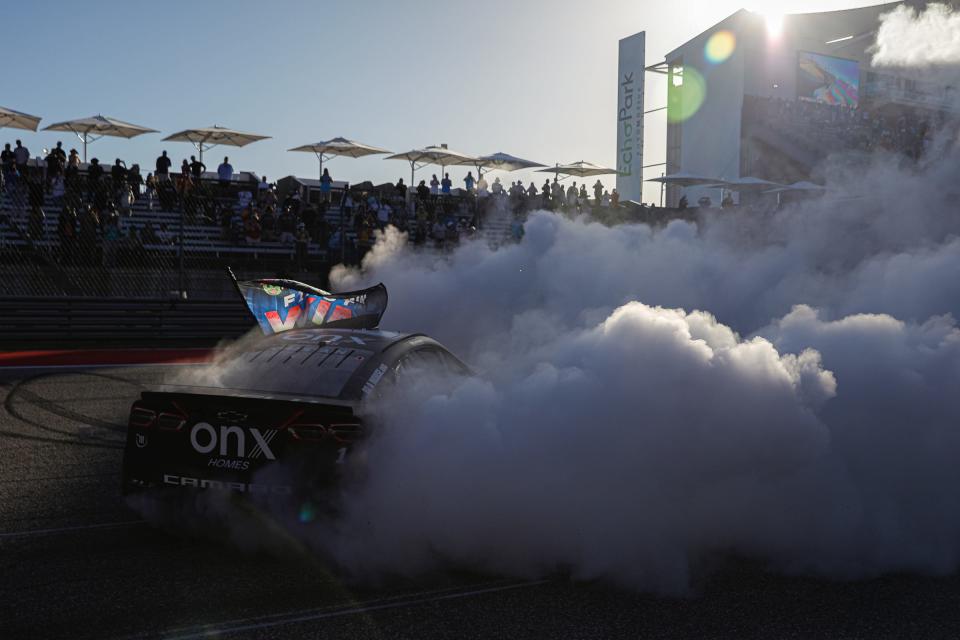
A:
83	321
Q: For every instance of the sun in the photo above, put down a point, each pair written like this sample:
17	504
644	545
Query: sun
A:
774	22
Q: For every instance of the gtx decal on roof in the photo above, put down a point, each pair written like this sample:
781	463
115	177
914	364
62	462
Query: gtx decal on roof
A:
282	305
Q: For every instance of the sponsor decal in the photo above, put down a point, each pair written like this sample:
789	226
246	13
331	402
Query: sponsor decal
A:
141	440
374	379
272	289
232	445
242	487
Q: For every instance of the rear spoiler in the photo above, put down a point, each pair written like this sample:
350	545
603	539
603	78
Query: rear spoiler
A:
281	305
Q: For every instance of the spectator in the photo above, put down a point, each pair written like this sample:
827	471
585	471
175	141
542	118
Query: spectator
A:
8	164
423	191
184	186
598	191
151	186
383	215
94	173
468	182
434	186
135	181
482	187
118	172
326	186
497	188
683	204
196	169
556	191
446	184
263	185
163	167
401	189
572	195
21	155
605	199
532	190
615	199
73	163
225	174
56	162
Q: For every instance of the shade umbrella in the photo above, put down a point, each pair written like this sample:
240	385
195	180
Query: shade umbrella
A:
95	127
419	158
803	185
18	120
328	149
747	184
205	138
685	179
500	162
581	169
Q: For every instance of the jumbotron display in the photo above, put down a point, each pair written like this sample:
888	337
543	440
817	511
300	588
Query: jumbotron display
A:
828	79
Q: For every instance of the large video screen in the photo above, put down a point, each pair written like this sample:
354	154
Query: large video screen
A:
828	80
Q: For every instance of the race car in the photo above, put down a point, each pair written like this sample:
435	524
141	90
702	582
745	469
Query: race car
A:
285	410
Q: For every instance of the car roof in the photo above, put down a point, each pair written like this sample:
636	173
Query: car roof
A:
313	363
376	340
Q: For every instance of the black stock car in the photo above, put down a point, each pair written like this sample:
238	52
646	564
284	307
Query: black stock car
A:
283	418
278	415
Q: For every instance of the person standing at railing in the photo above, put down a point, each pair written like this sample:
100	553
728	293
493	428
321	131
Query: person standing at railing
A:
225	175
196	169
21	155
8	167
163	167
326	186
94	173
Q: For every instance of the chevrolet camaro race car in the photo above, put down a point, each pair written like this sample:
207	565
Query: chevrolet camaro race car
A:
278	415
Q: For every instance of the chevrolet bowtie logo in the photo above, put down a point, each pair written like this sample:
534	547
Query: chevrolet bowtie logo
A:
232	417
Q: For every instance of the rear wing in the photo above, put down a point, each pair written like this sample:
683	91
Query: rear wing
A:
281	305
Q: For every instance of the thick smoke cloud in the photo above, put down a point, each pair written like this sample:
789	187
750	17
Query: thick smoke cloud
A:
779	386
919	39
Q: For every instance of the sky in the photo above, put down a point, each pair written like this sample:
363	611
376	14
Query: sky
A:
534	79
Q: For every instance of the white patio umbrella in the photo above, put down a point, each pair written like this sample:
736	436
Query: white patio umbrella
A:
328	149
419	158
18	120
581	169
803	185
500	162
205	138
747	184
684	179
95	127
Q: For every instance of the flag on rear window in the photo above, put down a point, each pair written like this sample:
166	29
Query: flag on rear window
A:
282	305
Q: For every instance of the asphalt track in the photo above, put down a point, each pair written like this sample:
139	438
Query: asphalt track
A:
75	562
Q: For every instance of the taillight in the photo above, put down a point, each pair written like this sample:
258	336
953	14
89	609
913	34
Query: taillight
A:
345	432
308	432
170	421
141	417
306	428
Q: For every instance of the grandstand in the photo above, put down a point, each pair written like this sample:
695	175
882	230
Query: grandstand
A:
142	256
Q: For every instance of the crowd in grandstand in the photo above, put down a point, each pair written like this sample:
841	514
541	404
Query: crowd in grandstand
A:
95	204
840	128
